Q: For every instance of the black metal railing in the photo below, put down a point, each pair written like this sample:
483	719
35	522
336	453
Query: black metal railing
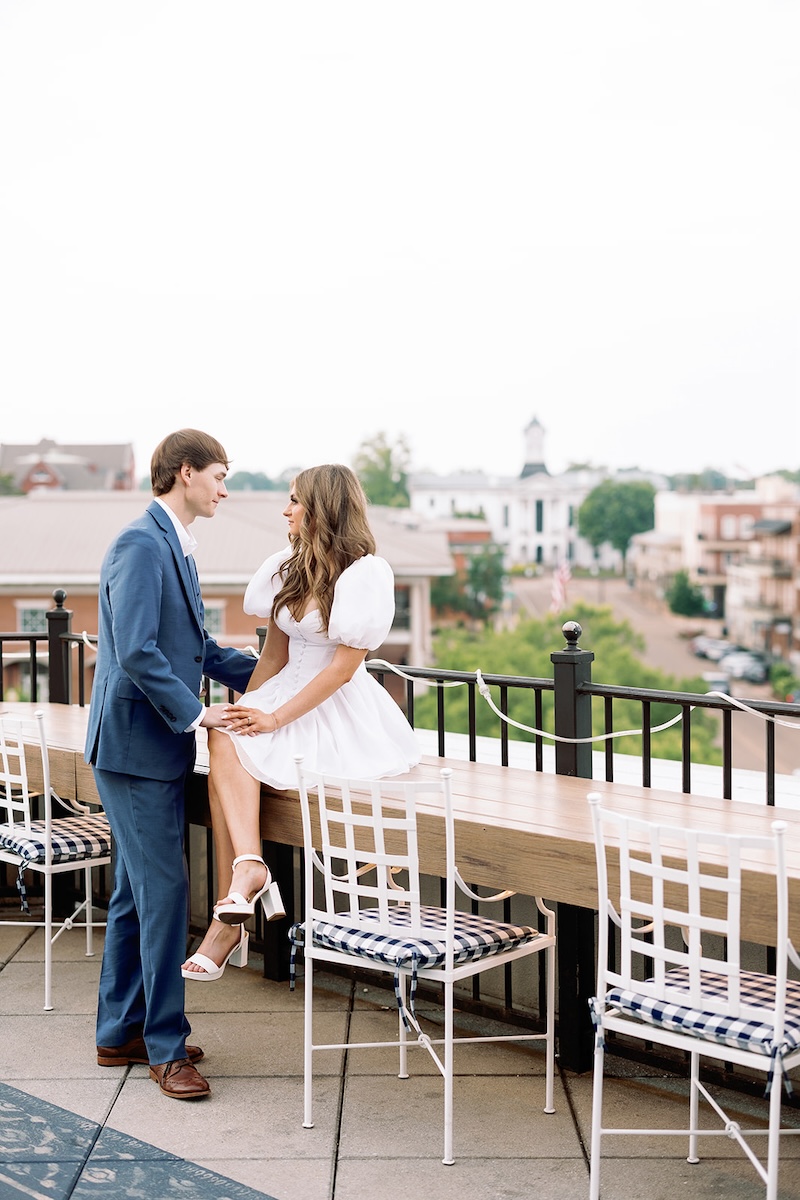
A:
19	653
65	680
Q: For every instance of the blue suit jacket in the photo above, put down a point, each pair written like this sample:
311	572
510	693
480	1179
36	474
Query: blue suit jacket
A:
152	652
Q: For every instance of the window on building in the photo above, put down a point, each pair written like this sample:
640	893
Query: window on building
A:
729	527
540	516
32	617
571	517
402	608
214	616
505	516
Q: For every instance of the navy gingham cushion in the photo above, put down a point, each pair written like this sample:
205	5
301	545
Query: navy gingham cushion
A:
744	1034
475	938
73	839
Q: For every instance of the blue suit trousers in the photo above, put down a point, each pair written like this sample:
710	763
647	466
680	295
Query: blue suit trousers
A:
141	987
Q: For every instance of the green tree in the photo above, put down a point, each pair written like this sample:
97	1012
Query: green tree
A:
485	578
7	485
526	651
476	591
614	512
448	595
253	481
707	480
684	598
382	467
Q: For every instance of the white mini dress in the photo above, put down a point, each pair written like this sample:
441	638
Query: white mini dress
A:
359	731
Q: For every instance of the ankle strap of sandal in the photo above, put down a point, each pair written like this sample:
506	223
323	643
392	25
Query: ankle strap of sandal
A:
248	858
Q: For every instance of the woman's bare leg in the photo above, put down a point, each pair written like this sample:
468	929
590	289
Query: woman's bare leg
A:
239	797
220	938
223	846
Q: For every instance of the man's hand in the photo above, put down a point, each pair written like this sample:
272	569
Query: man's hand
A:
214	716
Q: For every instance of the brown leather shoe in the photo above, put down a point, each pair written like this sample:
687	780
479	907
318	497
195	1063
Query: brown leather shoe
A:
135	1051
180	1080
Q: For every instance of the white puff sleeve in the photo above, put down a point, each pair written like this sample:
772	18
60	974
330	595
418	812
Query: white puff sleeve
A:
363	604
264	585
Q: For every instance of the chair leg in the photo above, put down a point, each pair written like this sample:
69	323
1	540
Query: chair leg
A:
308	1122
597	1116
402	1036
774	1136
448	1159
48	942
694	1107
88	910
550	1027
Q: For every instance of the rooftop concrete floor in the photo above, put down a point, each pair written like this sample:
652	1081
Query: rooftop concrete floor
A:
69	1128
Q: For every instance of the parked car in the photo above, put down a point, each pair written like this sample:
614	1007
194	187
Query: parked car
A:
718	647
700	643
743	664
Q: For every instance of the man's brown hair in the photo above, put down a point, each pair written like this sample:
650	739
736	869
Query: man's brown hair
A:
190	446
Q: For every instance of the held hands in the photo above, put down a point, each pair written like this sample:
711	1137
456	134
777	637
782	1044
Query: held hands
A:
238	719
214	716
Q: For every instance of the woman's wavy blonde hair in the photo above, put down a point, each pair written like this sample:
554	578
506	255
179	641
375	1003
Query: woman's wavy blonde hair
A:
334	533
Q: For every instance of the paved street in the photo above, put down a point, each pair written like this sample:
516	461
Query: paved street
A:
667	640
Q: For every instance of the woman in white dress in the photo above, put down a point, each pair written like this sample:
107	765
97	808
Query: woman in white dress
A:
330	600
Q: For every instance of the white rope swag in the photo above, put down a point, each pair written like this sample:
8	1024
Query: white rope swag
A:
484	690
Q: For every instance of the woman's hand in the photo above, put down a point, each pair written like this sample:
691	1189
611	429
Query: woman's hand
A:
239	719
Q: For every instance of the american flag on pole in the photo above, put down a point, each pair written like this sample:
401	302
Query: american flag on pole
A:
561	577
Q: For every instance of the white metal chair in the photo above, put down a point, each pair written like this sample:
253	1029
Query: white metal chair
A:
370	915
48	845
690	880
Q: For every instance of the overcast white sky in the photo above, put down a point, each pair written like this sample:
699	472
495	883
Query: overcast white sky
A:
298	224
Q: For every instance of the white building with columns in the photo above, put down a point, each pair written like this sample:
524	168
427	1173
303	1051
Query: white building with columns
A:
534	515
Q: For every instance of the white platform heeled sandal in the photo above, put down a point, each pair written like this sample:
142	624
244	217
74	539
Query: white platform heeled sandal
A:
237	957
240	909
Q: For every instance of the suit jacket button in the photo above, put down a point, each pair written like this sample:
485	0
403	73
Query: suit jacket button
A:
198	658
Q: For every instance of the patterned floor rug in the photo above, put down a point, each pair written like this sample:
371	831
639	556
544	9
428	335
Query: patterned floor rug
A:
47	1153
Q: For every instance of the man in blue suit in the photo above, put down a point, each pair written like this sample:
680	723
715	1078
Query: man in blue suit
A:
152	652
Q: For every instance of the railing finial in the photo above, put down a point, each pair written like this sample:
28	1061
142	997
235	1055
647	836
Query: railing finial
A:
59	595
572	632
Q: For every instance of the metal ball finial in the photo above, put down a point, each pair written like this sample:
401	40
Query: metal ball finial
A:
572	632
59	595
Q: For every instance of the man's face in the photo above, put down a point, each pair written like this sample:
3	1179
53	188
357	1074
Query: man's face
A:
204	489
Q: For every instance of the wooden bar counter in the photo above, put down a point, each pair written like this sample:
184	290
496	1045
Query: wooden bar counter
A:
515	828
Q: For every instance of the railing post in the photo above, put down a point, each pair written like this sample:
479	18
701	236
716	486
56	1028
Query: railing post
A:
573	711
59	620
576	958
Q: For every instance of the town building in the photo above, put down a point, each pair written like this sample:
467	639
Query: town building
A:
762	610
533	515
741	548
74	467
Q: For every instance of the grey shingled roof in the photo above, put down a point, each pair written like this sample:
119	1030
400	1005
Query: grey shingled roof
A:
58	539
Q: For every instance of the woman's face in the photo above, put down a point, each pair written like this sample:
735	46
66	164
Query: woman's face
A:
294	512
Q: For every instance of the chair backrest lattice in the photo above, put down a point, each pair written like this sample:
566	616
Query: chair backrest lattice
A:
367	849
15	793
690	879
